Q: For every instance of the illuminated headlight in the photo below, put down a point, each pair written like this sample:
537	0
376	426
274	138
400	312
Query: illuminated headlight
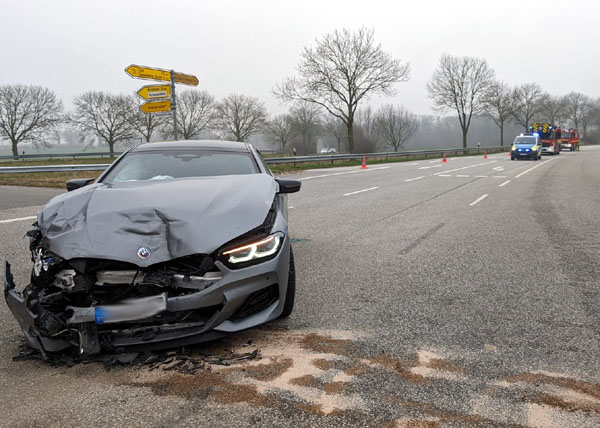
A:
534	148
260	249
514	148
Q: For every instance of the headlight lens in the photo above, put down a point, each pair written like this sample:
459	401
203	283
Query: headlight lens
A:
514	148
534	148
254	250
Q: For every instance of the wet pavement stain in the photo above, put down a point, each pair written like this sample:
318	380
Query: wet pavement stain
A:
320	373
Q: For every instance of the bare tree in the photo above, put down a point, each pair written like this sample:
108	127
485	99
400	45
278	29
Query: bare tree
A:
240	116
196	112
461	84
553	109
146	124
367	131
103	115
279	131
28	114
306	121
337	129
529	101
396	125
578	108
499	105
343	69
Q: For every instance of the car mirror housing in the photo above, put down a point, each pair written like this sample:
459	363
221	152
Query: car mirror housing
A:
288	186
77	183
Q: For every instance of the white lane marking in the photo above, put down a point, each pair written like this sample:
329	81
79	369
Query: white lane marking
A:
481	198
290	208
425	167
498	168
436	166
360	191
444	175
344	173
481	176
411	164
462	176
413	179
531	169
464	167
504	184
498	176
434	161
18	219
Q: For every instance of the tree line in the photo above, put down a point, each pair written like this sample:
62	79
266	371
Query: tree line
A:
328	96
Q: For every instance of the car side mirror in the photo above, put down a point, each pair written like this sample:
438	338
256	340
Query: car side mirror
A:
77	183
288	186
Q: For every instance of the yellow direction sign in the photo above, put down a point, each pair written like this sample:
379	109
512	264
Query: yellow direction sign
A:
155	107
150	92
186	79
140	72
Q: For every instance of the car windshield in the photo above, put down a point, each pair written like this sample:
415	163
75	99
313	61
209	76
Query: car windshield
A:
168	165
525	140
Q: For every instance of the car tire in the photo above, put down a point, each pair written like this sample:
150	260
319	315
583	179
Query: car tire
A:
512	158
290	294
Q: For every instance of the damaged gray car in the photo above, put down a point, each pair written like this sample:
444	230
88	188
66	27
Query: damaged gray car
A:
174	244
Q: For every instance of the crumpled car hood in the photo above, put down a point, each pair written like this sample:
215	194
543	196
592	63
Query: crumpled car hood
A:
174	218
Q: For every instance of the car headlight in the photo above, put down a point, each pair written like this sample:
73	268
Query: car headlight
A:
514	148
534	148
259	249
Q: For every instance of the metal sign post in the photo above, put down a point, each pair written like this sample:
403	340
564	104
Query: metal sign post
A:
156	92
174	105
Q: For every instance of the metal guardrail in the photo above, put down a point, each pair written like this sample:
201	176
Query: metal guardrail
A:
388	155
283	160
61	155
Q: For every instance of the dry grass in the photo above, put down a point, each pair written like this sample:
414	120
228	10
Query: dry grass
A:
45	179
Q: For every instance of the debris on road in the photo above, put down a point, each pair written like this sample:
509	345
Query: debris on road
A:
182	360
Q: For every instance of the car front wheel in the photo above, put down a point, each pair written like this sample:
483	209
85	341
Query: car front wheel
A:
290	294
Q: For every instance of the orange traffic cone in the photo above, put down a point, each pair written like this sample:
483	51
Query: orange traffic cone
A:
485	154
444	158
364	163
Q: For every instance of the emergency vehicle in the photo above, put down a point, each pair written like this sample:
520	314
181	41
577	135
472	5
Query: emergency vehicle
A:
570	140
548	136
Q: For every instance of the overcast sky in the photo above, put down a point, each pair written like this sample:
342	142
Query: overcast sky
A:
247	46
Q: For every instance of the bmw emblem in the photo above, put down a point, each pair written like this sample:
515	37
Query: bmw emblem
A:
143	252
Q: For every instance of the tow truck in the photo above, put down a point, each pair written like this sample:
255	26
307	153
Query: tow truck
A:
547	134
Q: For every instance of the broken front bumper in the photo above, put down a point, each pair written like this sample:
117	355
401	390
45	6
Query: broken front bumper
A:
230	301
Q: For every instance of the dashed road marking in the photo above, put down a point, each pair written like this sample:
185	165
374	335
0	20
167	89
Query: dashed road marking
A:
360	191
463	176
344	173
531	169
444	175
465	167
413	179
11	220
504	184
479	199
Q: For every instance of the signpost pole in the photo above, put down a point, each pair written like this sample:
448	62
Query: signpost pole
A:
173	105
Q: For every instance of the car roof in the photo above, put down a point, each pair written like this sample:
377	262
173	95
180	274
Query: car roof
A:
230	146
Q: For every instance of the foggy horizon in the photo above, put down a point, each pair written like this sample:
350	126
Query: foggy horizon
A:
237	47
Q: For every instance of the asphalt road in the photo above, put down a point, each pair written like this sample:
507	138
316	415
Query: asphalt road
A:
429	294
